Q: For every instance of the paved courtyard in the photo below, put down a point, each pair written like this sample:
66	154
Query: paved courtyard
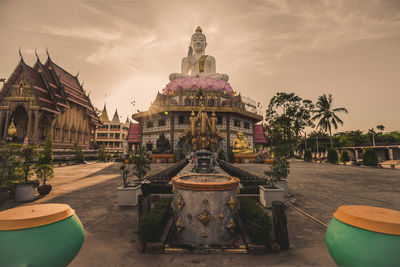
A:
315	188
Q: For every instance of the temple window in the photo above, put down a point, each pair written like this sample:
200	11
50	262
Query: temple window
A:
111	135
149	147
149	124
236	123
161	122
246	125
115	127
117	136
219	119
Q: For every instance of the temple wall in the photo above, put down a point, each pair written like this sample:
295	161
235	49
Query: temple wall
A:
156	126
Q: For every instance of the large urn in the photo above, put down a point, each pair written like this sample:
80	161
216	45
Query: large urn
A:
205	208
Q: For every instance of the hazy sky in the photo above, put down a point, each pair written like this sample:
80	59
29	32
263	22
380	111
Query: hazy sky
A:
127	49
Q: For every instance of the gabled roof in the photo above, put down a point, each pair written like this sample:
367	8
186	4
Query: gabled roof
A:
259	137
54	88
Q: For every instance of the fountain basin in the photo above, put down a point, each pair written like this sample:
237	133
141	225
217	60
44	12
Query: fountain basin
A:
205	208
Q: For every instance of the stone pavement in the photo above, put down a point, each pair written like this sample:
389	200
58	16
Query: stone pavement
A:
318	189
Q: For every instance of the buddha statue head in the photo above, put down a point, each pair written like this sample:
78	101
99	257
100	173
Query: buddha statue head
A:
198	42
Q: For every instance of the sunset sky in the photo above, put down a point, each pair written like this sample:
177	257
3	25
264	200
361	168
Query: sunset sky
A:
127	49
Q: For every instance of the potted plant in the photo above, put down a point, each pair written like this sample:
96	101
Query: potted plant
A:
25	190
129	192
276	187
44	172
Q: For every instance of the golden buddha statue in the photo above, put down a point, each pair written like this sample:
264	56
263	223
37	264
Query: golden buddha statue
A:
240	145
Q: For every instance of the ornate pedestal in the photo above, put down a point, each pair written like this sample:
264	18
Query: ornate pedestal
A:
245	158
205	208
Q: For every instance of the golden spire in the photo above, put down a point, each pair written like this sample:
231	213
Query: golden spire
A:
199	30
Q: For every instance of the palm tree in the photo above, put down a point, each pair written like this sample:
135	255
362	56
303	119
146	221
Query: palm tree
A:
327	114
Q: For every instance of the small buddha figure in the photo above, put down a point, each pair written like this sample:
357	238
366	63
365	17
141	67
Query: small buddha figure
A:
240	145
197	63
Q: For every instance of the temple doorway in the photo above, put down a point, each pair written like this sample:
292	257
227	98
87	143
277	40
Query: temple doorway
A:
20	117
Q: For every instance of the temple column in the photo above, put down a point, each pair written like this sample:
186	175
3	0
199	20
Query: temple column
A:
228	133
29	129
36	127
172	133
390	153
1	121
356	154
6	125
53	121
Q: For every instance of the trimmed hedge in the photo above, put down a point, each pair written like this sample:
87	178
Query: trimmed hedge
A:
157	189
369	157
257	223
344	156
332	156
307	155
250	190
152	224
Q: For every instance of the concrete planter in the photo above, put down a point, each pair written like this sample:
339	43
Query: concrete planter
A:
284	185
24	192
267	195
128	196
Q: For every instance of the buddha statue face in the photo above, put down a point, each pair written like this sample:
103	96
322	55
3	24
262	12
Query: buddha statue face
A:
198	42
239	135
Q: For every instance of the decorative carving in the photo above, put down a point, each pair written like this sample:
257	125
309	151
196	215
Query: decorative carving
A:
221	215
180	202
179	225
205	217
231	225
205	235
231	202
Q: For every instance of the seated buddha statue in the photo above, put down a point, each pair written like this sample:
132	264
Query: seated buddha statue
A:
197	63
240	145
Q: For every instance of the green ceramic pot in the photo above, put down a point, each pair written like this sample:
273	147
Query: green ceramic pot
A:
53	244
353	246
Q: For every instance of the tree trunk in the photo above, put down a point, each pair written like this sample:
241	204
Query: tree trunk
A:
330	136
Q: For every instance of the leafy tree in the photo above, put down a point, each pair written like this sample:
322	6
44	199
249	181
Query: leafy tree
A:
280	166
344	156
332	155
46	156
28	161
369	157
142	162
44	172
102	155
380	127
307	155
326	114
8	158
287	115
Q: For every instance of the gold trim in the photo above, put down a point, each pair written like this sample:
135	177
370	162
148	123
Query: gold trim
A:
179	225
231	202
205	217
180	202
232	183
205	235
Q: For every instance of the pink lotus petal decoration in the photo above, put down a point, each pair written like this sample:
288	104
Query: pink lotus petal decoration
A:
196	83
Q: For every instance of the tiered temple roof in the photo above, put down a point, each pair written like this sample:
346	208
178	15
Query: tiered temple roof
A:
55	88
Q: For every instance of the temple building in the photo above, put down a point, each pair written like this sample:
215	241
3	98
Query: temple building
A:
198	109
112	133
46	99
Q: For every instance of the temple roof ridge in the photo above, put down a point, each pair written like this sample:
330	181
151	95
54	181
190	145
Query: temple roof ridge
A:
104	116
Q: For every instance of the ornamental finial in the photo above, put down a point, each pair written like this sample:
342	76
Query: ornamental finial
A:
199	30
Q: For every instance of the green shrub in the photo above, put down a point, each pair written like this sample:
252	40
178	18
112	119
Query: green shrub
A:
102	156
253	189
344	156
369	157
153	223
79	156
257	223
158	189
46	155
142	162
44	172
332	155
307	155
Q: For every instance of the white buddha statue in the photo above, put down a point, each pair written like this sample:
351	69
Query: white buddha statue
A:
197	63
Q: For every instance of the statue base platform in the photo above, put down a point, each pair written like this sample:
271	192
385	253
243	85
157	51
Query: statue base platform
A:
245	158
162	158
269	161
